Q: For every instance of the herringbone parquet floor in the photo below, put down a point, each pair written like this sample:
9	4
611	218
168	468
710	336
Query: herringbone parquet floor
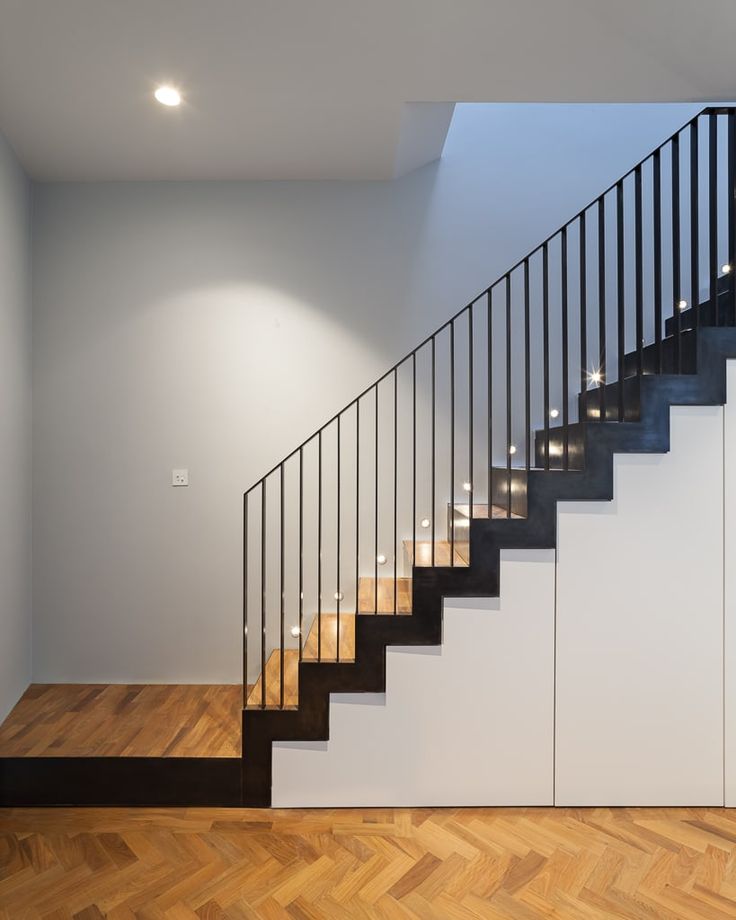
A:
448	864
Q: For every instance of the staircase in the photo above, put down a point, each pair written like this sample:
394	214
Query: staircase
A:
465	446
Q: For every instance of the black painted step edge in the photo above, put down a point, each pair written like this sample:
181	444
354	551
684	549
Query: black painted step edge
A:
121	781
651	434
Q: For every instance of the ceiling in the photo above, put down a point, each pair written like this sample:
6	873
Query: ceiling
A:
324	89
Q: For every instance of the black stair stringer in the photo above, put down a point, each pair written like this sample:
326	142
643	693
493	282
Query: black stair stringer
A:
593	482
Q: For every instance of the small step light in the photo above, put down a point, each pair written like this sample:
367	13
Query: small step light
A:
424	522
554	413
338	595
381	559
682	305
595	377
467	486
295	631
726	269
512	449
168	95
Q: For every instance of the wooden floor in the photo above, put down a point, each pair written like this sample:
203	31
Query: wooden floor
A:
124	720
506	864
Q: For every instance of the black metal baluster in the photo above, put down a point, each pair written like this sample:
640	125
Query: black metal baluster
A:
433	497
357	512
452	441
565	357
414	459
508	396
527	371
713	215
338	591
263	594
602	309
583	317
676	274
375	549
319	546
639	249
545	337
396	487
281	586
694	226
301	550
470	411
657	230
620	295
245	600
489	303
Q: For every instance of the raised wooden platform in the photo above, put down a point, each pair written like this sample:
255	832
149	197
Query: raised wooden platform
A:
124	720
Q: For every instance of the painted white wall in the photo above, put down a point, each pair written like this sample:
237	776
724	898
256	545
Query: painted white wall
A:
729	585
214	325
639	715
15	431
467	723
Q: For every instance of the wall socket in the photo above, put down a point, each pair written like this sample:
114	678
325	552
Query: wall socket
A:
180	477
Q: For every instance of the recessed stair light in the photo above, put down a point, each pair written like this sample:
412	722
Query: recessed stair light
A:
467	486
554	413
167	95
726	269
381	559
295	631
595	376
682	305
338	595
512	449
424	522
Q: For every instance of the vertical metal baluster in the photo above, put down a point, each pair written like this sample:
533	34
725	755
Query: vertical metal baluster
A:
301	551
639	247
375	549
281	586
396	488
545	337
357	514
489	304
676	273
657	229
527	371
620	296
338	592
732	215
583	317
565	357
470	412
414	459
452	441
602	309
694	227
245	600
433	497
263	594
713	215
508	396
319	546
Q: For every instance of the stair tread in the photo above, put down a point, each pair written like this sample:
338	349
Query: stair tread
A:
379	598
273	682
442	552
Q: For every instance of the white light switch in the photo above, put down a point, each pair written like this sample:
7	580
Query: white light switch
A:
180	477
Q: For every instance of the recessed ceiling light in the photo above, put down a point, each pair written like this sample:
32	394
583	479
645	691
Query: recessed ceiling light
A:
168	95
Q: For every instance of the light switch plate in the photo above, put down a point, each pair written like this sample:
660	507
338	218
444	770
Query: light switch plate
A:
180	477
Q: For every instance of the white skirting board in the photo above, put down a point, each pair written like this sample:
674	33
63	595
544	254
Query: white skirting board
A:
467	723
604	675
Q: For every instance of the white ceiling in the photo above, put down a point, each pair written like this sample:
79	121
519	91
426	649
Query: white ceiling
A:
317	89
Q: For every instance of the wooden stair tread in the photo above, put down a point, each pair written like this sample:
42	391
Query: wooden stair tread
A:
328	651
442	552
273	682
380	598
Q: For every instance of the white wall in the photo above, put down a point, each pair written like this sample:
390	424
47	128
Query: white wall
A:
15	431
213	326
